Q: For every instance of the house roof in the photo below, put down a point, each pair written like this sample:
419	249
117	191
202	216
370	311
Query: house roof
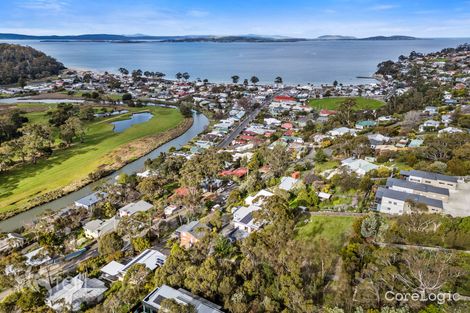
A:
404	196
287	183
181	296
134	207
416	186
112	268
429	175
150	258
91	199
75	291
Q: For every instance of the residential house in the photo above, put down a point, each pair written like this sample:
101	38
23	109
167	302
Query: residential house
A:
97	228
90	200
429	191
398	202
243	218
259	197
429	125
341	131
190	233
72	293
430	110
287	183
433	179
358	166
152	302
151	258
11	241
450	130
365	124
134	207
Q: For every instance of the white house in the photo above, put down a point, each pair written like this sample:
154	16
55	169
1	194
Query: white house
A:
134	207
151	258
429	124
243	218
72	293
97	228
358	166
341	131
287	183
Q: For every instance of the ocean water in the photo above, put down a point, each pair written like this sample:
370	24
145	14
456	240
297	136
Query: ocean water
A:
314	62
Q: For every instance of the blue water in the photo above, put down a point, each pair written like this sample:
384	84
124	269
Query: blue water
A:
136	118
297	62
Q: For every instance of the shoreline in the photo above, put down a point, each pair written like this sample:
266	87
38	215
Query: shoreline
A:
144	147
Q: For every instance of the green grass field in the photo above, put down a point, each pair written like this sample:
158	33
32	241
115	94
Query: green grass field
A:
334	229
335	102
75	163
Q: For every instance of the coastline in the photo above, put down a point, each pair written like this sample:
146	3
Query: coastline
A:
131	151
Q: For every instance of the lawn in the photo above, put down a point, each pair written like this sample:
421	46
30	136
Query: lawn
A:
335	102
334	229
67	166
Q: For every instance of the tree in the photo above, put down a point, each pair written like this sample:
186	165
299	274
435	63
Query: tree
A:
126	97
344	114
235	79
140	244
335	83
72	128
245	82
186	75
35	142
278	80
171	306
320	156
86	114
179	76
110	244
186	109
123	71
254	80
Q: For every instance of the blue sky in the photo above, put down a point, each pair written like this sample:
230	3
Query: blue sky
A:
302	18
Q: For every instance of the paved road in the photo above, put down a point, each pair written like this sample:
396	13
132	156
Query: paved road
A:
237	130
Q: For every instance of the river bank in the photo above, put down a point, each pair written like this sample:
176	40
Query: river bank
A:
113	161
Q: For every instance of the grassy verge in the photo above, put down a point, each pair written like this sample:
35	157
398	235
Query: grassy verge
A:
102	151
334	229
335	103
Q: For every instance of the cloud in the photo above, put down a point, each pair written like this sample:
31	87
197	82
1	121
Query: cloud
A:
197	13
53	6
384	7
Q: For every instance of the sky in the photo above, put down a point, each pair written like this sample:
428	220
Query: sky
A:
294	18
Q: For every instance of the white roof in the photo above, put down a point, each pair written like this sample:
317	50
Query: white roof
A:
262	193
287	183
134	207
73	292
150	258
113	268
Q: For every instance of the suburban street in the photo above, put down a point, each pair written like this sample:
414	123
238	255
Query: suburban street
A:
237	130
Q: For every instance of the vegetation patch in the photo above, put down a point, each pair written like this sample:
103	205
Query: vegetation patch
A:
334	229
101	152
334	103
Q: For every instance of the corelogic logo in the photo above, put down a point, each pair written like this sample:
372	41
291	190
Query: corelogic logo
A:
439	298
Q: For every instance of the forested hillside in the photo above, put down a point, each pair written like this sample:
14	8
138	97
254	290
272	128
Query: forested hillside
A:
21	62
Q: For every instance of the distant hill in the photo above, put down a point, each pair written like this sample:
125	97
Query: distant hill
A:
233	39
336	37
20	62
390	38
340	37
142	38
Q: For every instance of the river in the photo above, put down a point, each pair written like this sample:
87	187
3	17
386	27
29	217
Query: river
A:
10	224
